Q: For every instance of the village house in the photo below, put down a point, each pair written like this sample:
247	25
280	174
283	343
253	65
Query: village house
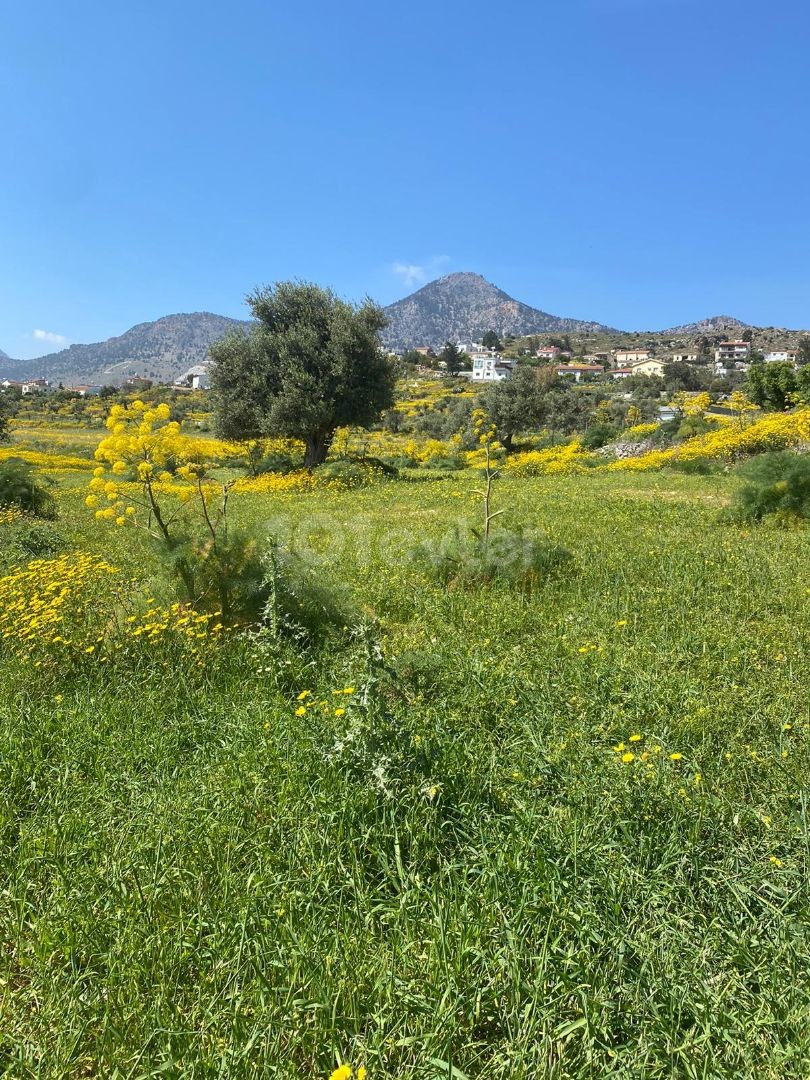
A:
732	351
198	377
580	371
648	367
627	357
490	367
27	386
621	373
602	358
548	352
684	358
788	356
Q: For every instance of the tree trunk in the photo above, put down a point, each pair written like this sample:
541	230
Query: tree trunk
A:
317	447
506	442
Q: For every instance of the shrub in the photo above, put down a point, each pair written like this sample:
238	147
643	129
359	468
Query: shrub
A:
21	486
347	473
699	466
274	462
778	484
509	556
598	435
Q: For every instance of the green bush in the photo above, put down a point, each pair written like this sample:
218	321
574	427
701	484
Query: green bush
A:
778	484
351	473
699	466
24	538
274	462
598	435
514	557
21	486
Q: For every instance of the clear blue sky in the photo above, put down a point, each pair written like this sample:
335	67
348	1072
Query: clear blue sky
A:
639	162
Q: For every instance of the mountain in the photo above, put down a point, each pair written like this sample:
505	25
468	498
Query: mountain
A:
717	324
462	307
5	358
159	350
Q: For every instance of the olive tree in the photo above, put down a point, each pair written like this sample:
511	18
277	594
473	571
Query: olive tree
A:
311	363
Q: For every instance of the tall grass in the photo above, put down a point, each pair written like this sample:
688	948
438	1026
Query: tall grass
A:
197	882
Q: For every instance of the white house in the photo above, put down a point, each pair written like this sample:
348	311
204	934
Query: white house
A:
197	377
490	367
789	356
578	371
733	351
548	352
684	358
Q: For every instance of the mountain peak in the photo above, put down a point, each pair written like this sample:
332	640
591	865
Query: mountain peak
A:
462	307
709	326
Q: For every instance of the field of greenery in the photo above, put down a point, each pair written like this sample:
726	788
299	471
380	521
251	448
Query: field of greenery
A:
407	824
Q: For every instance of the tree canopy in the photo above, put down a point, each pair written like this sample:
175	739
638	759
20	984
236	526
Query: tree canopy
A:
777	386
453	357
312	363
531	398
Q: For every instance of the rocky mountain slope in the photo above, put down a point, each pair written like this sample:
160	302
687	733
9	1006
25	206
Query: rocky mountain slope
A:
717	324
159	350
462	307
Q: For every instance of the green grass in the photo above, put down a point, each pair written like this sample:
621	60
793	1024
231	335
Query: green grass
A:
197	883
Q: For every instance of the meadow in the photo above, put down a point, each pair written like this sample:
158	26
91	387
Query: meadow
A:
454	833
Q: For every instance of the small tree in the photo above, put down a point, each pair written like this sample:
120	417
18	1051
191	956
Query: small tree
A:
772	386
804	349
8	408
490	340
519	404
453	358
313	363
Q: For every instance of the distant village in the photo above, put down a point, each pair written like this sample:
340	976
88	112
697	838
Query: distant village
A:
483	364
489	365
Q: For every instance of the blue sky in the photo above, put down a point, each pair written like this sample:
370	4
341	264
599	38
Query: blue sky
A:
639	162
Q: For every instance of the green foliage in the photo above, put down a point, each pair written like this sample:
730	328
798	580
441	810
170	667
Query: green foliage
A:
9	405
532	398
778	485
598	435
453	358
772	386
490	340
312	363
515	557
21	485
348	473
27	538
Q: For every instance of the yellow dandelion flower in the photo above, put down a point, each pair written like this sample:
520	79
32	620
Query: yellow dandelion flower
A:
676	756
628	757
636	738
343	1072
340	712
300	711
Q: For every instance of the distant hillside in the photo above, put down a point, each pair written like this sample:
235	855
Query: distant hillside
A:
159	350
462	307
717	324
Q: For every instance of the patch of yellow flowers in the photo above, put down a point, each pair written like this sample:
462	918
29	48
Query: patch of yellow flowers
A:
728	442
48	603
52	605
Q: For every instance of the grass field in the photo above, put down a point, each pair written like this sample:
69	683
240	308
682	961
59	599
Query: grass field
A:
551	835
